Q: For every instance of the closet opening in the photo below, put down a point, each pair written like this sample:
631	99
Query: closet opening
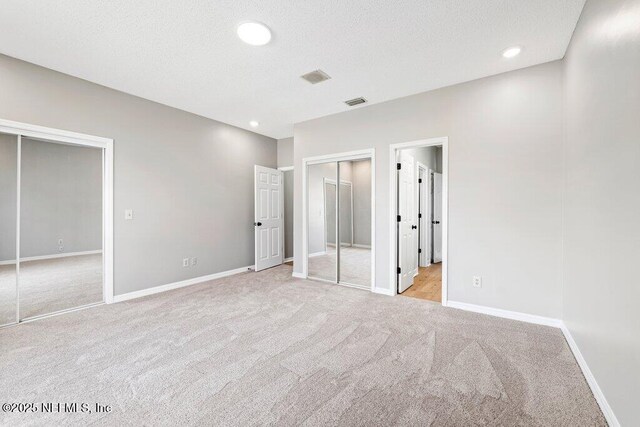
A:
55	221
338	219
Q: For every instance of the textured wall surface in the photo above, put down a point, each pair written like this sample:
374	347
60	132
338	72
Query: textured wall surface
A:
602	198
8	196
189	180
505	200
285	152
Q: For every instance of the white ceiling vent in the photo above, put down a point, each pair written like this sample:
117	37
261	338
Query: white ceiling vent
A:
355	101
316	76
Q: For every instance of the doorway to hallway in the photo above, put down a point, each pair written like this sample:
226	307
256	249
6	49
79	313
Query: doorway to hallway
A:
419	218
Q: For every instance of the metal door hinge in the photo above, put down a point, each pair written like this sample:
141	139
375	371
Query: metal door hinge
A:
399	218
399	166
399	270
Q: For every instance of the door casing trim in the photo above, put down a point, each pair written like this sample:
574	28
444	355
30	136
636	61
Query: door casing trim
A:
393	208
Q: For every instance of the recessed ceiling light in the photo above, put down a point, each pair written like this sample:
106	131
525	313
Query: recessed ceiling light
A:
254	33
254	124
511	52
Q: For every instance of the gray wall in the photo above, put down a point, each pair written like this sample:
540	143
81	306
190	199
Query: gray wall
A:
359	174
8	200
602	198
285	158
431	157
188	179
285	152
317	173
60	198
288	214
505	201
361	177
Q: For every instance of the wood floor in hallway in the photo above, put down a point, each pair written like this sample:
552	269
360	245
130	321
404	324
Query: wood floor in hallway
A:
427	284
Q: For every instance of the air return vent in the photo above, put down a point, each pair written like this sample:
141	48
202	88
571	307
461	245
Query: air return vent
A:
355	101
316	76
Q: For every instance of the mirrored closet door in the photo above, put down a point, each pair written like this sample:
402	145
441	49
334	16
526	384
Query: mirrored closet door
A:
8	222
339	222
60	227
51	220
322	224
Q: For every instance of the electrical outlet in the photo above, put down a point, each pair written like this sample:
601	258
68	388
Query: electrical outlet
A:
194	261
477	281
60	248
185	262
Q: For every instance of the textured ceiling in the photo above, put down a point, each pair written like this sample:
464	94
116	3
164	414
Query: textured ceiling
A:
186	53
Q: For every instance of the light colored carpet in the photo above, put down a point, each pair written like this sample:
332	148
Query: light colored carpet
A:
51	285
355	265
7	294
264	348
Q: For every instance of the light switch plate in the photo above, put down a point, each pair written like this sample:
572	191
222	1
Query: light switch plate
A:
128	214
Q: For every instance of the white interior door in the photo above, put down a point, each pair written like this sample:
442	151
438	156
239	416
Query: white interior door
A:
437	217
269	218
408	229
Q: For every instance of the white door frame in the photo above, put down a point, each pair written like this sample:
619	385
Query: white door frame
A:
350	155
393	232
284	169
74	138
429	215
423	201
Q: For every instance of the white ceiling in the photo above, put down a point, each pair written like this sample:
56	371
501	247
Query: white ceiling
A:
186	53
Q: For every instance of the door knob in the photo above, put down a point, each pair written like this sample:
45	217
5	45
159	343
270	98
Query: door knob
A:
435	222
257	224
413	227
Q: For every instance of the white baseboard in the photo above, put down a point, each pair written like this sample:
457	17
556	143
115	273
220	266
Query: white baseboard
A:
181	284
298	275
513	315
557	323
52	256
317	254
591	380
383	291
288	259
357	245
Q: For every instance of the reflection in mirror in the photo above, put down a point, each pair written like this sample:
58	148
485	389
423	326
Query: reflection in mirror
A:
355	222
60	227
8	214
322	262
